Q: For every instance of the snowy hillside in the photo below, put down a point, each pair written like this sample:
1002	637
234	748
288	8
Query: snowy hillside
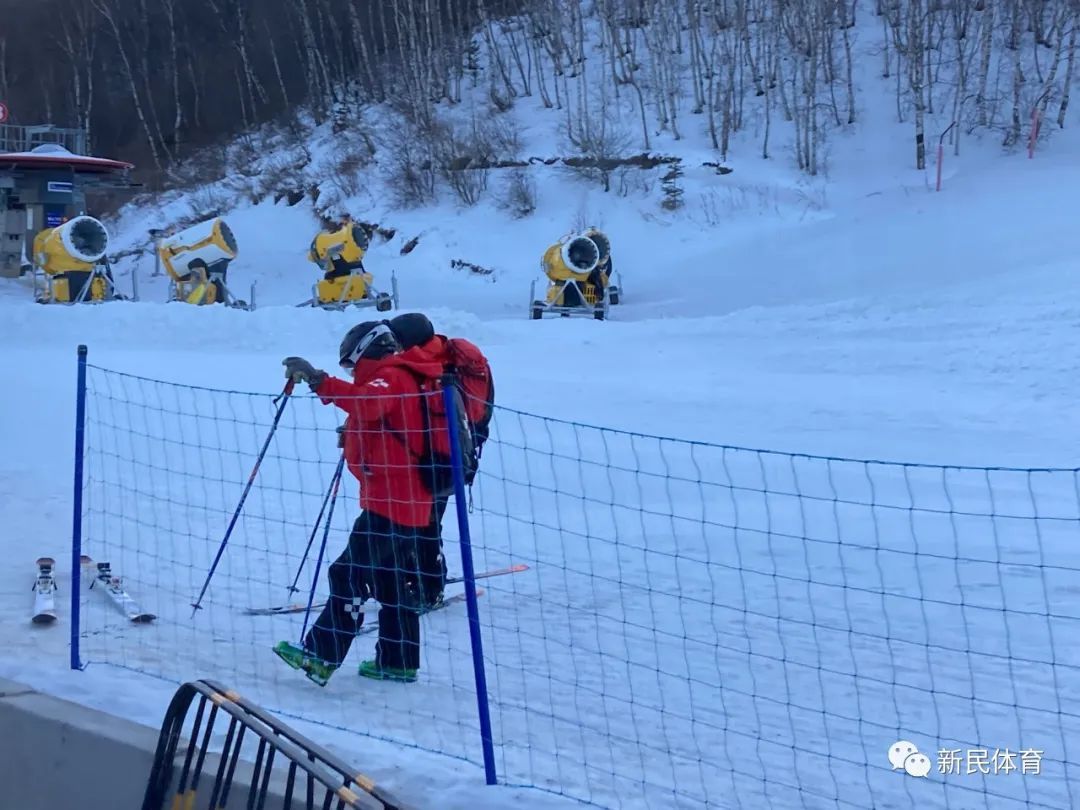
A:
857	314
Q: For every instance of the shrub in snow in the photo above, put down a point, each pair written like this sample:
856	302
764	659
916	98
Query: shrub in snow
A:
518	194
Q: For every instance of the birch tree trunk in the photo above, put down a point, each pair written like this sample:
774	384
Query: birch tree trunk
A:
107	10
1070	59
1012	134
986	35
916	46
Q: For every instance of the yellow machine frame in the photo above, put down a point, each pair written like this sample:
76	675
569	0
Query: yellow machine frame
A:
348	243
55	255
210	241
562	276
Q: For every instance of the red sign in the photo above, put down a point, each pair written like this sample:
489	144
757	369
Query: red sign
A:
3	112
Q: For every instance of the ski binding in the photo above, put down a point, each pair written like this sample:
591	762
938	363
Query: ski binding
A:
45	592
108	583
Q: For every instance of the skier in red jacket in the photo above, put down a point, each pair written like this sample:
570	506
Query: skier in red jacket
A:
397	530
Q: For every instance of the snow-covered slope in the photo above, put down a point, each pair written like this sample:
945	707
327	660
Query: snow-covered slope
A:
863	316
917	301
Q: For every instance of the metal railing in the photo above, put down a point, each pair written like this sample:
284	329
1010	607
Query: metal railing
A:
315	779
23	138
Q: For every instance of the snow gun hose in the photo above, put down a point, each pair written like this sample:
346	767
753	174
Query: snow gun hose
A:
283	399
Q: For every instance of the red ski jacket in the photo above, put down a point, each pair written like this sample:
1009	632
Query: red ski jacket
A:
384	408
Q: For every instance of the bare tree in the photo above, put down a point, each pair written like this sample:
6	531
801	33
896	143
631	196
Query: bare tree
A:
598	135
910	23
986	41
1074	22
78	40
108	11
1012	132
185	75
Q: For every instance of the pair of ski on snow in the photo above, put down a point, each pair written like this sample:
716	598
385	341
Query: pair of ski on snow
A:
101	579
298	607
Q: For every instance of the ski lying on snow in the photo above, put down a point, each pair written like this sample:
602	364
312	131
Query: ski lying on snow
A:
102	578
373	627
296	607
45	592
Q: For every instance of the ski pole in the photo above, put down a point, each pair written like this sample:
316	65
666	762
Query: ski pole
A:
283	398
318	521
322	546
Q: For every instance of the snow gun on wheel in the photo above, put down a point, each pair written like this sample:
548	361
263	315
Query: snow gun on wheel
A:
197	260
339	253
578	269
72	259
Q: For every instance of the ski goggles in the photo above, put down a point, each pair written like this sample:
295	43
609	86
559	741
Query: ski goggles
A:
365	343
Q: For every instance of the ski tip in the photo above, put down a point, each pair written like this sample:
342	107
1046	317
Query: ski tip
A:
516	569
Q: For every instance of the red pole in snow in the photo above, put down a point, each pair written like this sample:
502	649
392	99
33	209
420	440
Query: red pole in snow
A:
941	153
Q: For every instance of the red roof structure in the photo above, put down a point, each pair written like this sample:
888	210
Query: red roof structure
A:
50	155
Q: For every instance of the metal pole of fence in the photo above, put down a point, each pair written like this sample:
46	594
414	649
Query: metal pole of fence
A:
155	237
470	580
134	282
76	509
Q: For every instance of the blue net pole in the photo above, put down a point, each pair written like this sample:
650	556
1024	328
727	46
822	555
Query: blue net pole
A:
77	505
470	585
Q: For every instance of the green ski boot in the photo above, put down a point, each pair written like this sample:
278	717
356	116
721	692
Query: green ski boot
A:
296	657
370	669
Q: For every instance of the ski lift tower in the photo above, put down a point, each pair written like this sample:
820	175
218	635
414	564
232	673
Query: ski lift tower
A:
44	176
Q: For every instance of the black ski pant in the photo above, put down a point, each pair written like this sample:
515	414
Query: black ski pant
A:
441	504
386	562
432	562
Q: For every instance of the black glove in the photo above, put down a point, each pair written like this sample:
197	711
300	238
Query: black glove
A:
298	369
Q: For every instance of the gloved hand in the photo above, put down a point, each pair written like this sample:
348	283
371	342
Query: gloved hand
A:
298	369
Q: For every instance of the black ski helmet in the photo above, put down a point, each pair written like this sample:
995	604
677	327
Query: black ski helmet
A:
412	329
371	340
